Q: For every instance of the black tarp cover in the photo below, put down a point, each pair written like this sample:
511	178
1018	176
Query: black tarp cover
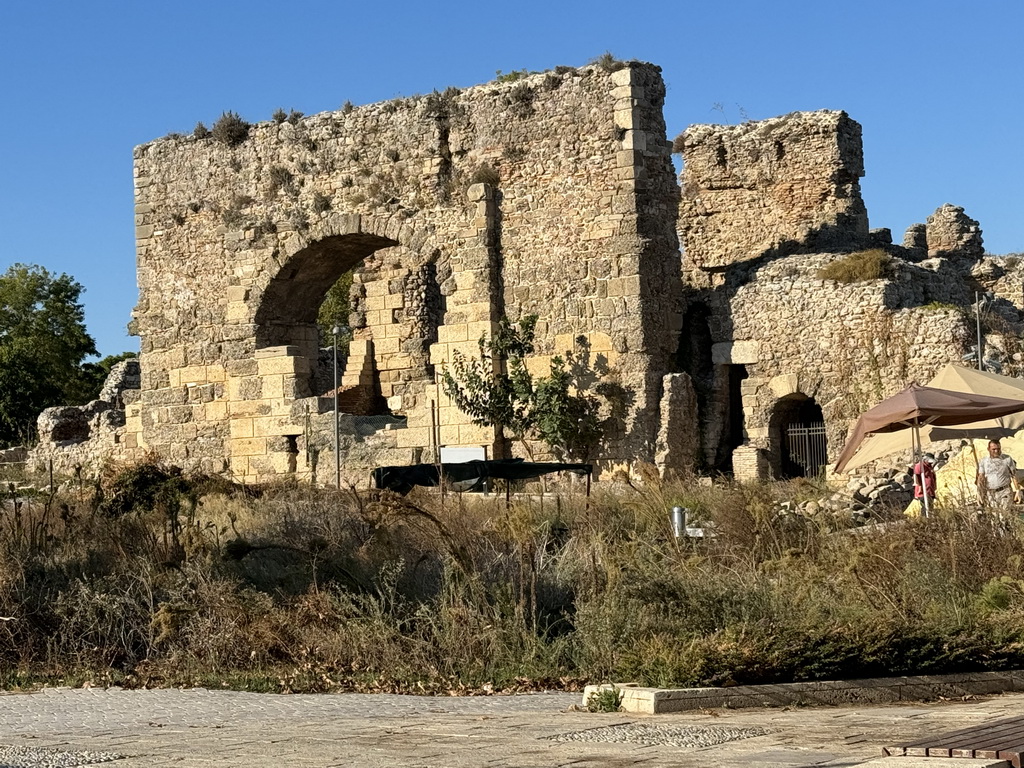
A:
469	475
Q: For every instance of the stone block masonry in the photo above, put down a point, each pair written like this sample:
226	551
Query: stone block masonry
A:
538	196
550	195
790	182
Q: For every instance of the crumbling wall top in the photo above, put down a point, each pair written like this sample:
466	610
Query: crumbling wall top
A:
790	182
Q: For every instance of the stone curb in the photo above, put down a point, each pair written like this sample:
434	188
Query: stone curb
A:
881	690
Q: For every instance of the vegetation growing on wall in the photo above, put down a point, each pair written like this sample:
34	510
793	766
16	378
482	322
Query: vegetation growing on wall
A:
858	267
230	129
335	311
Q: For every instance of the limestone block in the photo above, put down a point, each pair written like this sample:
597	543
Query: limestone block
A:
216	411
628	92
786	384
471	434
193	374
749	464
283	350
238	466
450	333
481	329
622	77
413	437
237	293
468	306
285	365
241	427
450	435
635	140
236	311
678	440
360	348
250	446
387	346
273	386
248	408
736	353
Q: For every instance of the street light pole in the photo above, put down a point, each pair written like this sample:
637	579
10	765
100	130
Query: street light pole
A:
337	441
977	318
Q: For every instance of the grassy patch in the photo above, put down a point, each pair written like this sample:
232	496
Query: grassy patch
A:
858	267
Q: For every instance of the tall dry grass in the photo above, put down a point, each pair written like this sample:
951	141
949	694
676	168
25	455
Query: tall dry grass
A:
151	578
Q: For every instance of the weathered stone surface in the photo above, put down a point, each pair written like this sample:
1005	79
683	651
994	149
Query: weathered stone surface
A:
553	195
785	183
678	442
453	209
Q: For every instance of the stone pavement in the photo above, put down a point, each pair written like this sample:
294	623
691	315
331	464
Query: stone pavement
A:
224	728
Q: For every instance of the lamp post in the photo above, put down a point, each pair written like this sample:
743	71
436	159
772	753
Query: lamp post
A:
981	342
337	442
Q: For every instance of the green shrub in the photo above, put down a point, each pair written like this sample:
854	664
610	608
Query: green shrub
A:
510	77
605	699
321	203
281	179
941	306
230	129
858	267
201	131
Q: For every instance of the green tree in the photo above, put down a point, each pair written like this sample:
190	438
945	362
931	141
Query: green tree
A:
43	343
497	390
334	311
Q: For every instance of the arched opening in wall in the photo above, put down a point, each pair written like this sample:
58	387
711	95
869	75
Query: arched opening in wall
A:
798	446
387	303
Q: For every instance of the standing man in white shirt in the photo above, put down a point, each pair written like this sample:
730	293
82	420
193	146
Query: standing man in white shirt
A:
997	478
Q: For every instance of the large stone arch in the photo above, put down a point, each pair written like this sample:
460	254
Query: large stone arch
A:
288	291
553	195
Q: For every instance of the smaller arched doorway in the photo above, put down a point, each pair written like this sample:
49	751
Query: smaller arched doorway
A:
799	446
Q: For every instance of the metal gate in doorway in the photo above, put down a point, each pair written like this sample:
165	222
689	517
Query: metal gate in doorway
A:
807	447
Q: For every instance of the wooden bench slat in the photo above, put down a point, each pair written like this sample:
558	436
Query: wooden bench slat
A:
980	731
999	740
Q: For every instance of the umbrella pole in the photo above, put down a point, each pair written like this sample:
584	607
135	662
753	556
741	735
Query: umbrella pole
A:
919	464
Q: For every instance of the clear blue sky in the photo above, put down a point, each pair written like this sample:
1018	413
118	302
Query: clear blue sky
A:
936	85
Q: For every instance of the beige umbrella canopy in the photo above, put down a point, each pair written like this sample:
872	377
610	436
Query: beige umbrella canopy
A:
916	407
959	379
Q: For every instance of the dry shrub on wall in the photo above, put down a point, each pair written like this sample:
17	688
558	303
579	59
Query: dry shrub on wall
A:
858	267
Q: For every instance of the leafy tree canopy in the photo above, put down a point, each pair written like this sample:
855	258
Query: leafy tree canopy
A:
334	311
498	390
43	343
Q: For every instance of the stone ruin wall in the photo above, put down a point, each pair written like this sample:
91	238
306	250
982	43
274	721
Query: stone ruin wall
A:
765	207
764	187
845	346
237	246
76	438
236	249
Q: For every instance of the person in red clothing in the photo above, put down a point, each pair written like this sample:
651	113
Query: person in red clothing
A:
925	469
